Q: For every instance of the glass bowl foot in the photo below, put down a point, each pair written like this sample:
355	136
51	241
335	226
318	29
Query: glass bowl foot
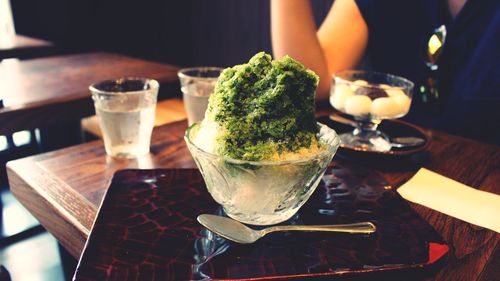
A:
367	140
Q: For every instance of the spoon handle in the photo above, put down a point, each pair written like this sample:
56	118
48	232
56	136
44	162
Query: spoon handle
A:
359	227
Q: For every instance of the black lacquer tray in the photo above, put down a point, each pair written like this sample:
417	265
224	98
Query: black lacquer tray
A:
146	229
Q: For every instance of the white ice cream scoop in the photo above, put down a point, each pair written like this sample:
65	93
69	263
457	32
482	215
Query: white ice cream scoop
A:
358	105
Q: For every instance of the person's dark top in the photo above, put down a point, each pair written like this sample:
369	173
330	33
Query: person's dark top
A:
469	65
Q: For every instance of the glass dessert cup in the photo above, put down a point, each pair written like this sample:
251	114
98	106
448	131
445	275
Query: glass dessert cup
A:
263	192
370	97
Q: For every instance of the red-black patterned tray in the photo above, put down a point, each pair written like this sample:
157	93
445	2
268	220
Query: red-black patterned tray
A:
147	230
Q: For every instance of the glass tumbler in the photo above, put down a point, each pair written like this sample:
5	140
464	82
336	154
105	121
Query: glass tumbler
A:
126	108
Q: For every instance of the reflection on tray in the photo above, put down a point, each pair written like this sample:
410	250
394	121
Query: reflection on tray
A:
206	247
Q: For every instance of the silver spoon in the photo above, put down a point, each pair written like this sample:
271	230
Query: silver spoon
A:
397	142
238	232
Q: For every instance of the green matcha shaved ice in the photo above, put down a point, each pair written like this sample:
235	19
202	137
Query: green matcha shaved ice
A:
261	110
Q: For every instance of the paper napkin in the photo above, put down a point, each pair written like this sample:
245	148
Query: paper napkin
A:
453	198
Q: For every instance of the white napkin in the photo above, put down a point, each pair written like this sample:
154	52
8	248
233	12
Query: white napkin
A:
453	198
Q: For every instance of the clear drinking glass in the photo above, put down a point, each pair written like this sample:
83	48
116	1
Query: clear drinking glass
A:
370	97
197	84
126	111
262	192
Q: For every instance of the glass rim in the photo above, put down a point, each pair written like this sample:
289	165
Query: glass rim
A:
341	76
153	85
182	72
330	150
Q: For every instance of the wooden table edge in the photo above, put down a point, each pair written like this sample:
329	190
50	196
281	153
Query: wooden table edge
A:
49	208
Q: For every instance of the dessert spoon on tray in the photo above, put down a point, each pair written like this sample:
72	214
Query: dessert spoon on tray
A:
238	232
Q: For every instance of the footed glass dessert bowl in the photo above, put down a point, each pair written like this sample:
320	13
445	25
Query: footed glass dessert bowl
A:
370	97
263	192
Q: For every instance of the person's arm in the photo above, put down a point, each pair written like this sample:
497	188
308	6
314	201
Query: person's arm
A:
338	44
293	33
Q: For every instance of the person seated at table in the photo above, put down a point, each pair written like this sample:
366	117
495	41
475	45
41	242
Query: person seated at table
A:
394	35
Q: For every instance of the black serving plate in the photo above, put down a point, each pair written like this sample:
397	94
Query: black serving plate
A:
392	128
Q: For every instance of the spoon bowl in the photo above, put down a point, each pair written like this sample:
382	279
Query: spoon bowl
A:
235	231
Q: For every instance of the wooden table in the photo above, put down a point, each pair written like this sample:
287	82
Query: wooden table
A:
50	91
64	188
25	47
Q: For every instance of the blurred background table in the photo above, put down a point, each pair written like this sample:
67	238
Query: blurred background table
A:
51	93
64	188
23	47
53	90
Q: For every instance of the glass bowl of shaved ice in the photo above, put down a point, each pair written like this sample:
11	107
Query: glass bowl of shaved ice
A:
264	192
259	148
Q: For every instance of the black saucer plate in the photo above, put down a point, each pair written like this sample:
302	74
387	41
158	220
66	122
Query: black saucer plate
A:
392	128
